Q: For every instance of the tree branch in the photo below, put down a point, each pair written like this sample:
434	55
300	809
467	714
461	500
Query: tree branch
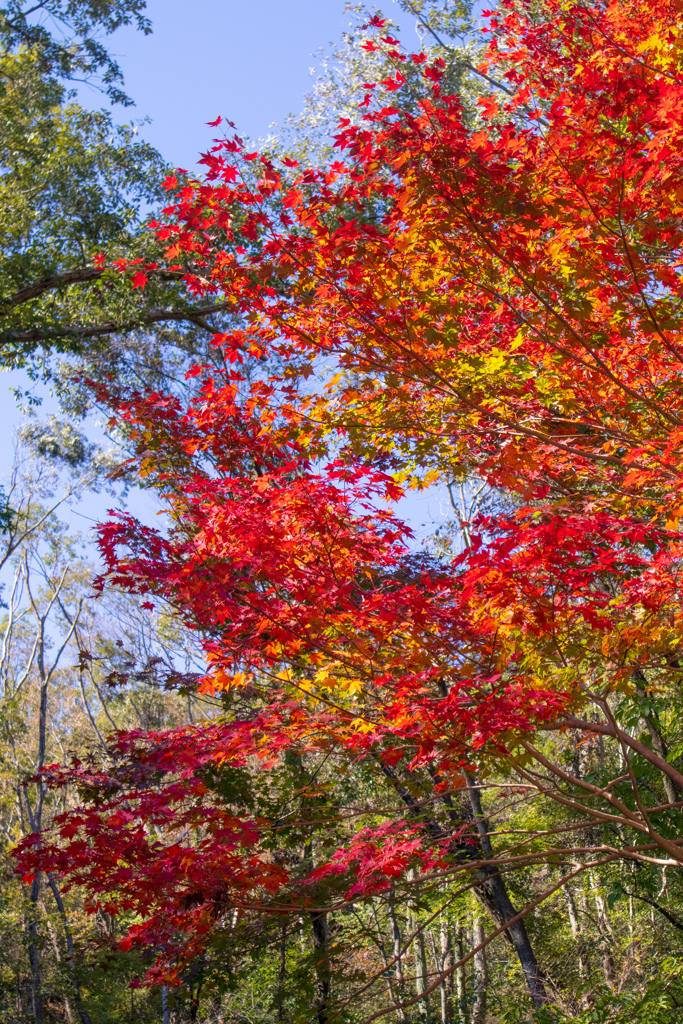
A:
102	330
81	275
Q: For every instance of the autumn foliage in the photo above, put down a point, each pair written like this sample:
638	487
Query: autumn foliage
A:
491	293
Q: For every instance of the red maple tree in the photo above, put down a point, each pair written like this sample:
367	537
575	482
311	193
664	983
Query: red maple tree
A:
498	295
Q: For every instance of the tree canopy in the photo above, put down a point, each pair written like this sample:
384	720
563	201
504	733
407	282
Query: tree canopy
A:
484	294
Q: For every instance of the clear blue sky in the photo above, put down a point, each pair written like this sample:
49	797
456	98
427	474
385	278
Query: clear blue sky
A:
248	61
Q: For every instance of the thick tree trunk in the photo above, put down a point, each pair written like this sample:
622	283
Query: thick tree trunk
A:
322	967
491	889
497	901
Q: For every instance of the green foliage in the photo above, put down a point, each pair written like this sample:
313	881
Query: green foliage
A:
76	189
72	183
73	50
660	1001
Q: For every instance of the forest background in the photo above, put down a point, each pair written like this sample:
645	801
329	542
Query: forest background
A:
305	873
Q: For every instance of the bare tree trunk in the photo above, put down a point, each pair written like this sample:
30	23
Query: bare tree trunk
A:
34	954
394	998
445	962
606	936
35	819
421	976
58	959
420	956
460	978
481	978
320	931
322	966
165	1006
653	727
398	966
282	972
78	996
35	811
498	903
576	930
491	889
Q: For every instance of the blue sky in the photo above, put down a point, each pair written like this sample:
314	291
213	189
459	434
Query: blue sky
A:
248	61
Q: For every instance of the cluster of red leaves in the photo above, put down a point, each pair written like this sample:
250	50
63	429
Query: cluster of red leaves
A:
375	857
146	837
